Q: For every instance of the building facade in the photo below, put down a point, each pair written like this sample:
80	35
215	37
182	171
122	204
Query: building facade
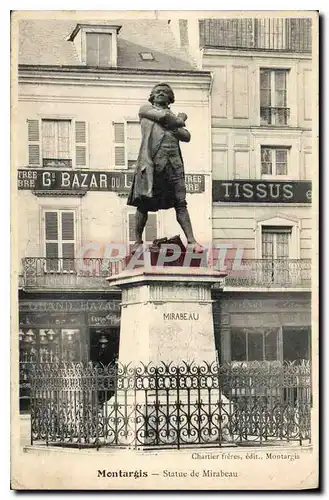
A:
245	85
79	138
262	164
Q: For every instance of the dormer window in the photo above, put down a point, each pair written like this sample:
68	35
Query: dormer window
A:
96	44
98	47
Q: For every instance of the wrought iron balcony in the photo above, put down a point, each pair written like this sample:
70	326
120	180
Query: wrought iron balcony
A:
53	273
275	34
274	116
280	273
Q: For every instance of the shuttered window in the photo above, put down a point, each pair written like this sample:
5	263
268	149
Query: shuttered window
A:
59	240
98	49
150	231
50	143
33	134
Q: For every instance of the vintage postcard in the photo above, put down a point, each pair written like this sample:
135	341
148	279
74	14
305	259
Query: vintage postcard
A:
164	324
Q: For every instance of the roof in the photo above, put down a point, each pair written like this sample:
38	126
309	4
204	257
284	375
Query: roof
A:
46	42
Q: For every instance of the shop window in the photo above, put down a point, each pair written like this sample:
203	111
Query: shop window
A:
273	97
274	160
150	231
59	227
104	345
296	343
127	139
255	344
57	143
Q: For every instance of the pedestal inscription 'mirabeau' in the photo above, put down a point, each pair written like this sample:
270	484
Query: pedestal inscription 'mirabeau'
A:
166	312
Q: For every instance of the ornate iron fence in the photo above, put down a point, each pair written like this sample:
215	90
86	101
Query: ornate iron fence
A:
170	406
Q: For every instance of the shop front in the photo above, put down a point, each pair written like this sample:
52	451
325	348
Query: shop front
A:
263	327
54	330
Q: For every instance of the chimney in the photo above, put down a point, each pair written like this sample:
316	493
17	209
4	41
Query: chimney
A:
183	32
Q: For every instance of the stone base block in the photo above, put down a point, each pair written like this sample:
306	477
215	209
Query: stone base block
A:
166	315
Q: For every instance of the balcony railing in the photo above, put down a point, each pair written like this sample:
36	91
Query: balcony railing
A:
280	273
274	116
275	34
53	273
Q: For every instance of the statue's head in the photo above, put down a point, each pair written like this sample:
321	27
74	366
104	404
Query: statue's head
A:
159	91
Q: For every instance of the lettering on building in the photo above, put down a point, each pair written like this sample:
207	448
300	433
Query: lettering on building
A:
233	191
69	305
75	180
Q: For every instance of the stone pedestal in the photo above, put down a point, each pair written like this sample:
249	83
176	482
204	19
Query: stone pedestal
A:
167	318
166	315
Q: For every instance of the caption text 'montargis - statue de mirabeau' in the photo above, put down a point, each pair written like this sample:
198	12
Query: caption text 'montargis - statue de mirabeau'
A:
159	180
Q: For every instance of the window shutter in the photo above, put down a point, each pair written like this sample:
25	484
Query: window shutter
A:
51	226
151	228
119	145
150	231
68	244
67	226
51	237
33	134
81	144
133	142
131	227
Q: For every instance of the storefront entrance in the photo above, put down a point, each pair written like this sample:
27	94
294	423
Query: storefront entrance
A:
104	345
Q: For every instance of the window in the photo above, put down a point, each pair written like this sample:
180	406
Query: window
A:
96	44
127	139
275	242
296	343
146	56
276	268
255	344
59	240
274	160
150	231
98	49
271	34
51	143
273	97
56	143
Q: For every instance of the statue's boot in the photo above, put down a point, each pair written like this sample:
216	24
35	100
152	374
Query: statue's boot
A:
135	247
195	247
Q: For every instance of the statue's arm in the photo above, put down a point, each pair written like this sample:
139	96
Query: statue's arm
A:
161	116
182	134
